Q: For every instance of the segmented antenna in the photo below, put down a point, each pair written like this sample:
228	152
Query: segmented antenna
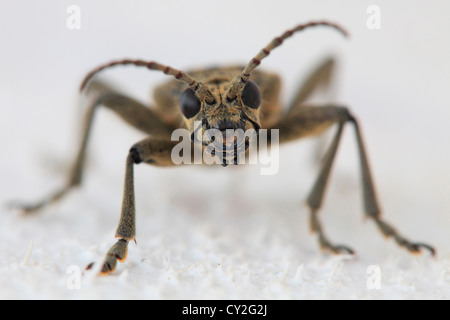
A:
201	90
238	83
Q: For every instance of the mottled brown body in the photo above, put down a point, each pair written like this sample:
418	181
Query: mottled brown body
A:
230	97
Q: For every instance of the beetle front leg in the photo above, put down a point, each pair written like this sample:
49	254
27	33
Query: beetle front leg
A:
311	121
307	121
152	151
315	197
126	229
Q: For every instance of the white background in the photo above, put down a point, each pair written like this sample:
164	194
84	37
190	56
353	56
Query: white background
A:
230	232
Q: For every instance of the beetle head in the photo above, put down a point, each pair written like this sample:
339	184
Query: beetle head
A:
223	126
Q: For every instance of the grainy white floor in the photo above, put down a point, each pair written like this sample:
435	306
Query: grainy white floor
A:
225	233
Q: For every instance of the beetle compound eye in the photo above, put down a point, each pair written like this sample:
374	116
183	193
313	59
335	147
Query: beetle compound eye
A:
251	96
189	103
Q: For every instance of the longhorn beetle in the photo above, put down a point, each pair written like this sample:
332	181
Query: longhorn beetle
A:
223	99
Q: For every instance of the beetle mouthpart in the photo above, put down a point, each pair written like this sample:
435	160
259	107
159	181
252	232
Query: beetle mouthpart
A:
229	150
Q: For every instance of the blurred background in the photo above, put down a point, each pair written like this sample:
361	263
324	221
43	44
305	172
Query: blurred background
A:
226	233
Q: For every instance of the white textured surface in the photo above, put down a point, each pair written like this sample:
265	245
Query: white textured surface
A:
226	233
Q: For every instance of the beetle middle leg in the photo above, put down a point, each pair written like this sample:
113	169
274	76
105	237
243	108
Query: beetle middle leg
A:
130	110
319	77
307	121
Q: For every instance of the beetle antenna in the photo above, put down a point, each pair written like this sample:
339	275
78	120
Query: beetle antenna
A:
238	83
201	90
